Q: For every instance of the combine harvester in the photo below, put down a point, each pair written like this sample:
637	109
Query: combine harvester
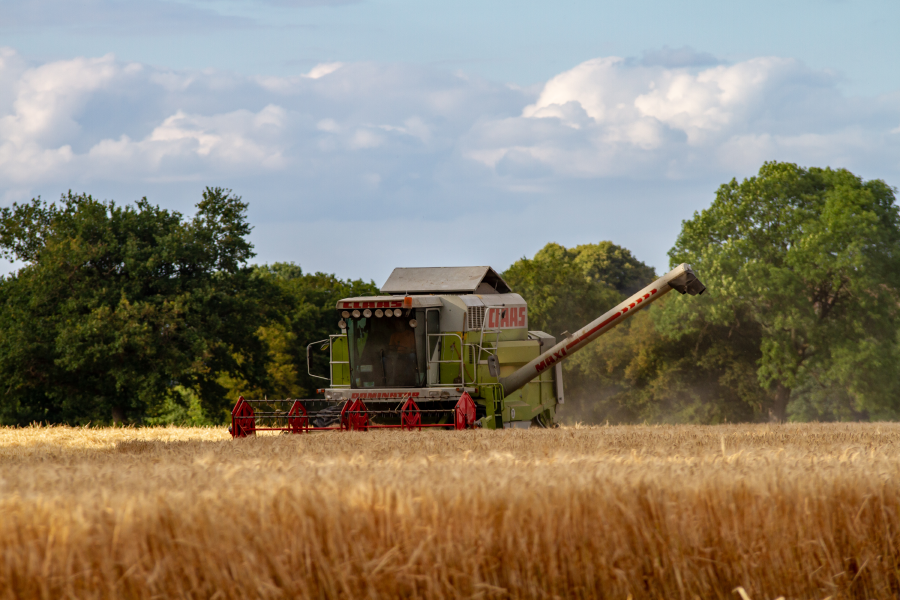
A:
442	347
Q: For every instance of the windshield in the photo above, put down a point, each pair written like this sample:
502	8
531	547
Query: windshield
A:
383	353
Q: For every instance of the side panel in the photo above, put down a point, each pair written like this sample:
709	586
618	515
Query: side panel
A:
451	350
453	314
517	351
538	397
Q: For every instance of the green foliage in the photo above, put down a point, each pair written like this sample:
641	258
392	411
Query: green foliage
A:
308	315
567	288
803	269
611	265
116	307
138	313
637	373
812	258
634	373
182	409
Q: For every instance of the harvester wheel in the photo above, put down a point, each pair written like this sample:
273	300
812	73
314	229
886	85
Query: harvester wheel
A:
328	417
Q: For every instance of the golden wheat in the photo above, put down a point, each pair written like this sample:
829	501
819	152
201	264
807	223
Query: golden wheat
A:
801	511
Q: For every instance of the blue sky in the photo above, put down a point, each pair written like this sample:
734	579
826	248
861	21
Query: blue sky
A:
374	134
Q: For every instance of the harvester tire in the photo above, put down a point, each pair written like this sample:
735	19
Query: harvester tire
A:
328	417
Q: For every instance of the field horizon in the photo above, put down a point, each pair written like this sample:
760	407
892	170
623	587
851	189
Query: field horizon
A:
668	511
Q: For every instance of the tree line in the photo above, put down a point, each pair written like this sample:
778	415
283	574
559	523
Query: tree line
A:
139	314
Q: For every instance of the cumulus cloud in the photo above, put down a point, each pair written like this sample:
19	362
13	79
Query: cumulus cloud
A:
375	146
99	119
104	118
611	116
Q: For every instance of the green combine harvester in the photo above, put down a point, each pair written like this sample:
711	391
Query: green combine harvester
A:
441	347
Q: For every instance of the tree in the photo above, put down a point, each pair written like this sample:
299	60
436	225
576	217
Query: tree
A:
812	258
118	307
637	372
309	314
612	265
567	288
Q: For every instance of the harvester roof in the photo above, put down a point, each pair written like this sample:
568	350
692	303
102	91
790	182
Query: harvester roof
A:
445	280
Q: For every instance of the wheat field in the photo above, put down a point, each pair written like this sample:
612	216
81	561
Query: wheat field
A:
799	511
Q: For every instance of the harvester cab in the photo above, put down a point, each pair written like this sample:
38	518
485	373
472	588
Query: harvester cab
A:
441	347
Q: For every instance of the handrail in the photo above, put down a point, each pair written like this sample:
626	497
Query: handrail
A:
462	368
475	350
309	358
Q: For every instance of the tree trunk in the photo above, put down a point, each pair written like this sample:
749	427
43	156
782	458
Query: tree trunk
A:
778	411
118	415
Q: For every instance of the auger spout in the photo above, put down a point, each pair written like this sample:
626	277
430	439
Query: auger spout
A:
682	278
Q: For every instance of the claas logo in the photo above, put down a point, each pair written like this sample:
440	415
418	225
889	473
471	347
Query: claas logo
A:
500	318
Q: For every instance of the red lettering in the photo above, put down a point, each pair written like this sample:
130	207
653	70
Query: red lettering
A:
514	317
522	316
540	366
396	303
504	318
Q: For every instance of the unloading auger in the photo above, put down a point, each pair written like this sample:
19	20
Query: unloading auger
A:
445	347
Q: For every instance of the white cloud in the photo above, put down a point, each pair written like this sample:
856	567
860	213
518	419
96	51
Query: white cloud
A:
60	122
234	140
46	118
389	143
611	116
48	97
323	69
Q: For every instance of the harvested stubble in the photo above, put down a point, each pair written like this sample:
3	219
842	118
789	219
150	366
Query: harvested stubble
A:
802	511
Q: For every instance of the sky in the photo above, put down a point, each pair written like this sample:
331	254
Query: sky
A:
372	134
